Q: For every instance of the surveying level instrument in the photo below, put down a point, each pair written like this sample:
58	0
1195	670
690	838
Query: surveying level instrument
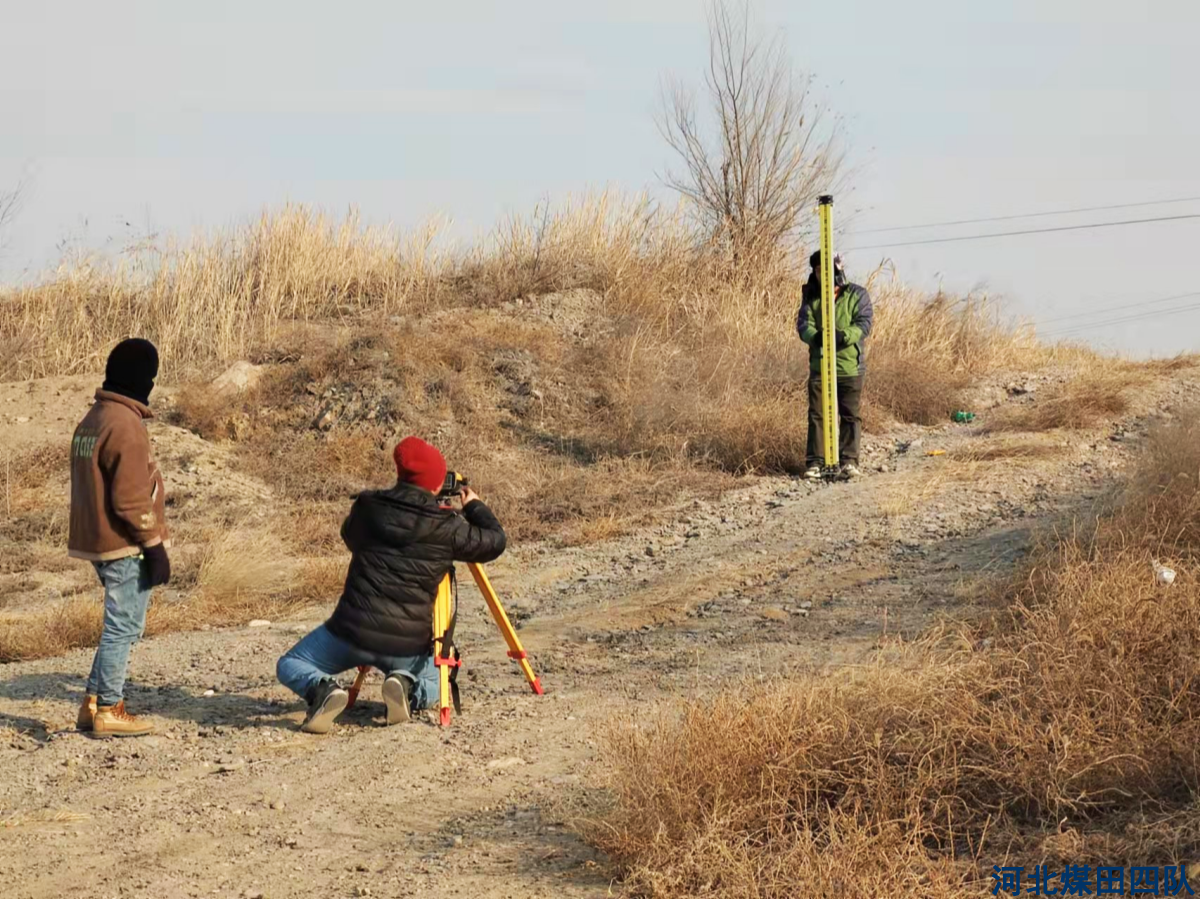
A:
452	486
446	655
829	402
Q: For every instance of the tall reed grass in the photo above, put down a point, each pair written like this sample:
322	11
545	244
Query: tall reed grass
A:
692	325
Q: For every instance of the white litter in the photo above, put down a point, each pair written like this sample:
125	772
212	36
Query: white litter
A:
1162	574
260	622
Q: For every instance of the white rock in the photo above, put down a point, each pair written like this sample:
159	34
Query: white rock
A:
210	692
500	764
238	377
260	622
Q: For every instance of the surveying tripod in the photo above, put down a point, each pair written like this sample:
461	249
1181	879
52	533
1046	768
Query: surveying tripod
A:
445	654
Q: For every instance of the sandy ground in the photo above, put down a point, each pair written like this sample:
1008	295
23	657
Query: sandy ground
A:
230	800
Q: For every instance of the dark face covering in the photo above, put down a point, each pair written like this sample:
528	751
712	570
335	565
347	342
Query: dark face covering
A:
131	369
839	274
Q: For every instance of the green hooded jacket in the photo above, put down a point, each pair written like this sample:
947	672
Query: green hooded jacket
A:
853	317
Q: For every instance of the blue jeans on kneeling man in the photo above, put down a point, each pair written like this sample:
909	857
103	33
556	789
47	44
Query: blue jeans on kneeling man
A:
321	655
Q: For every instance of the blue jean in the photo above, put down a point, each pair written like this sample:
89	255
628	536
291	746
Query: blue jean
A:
321	654
126	599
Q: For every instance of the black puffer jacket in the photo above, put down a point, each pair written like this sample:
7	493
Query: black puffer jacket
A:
404	543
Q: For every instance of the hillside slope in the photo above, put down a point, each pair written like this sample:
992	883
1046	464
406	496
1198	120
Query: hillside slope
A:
770	576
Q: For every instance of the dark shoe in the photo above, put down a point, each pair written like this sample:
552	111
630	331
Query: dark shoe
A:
397	696
329	700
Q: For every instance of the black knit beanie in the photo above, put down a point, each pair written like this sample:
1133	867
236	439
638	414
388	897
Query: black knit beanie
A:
839	273
131	369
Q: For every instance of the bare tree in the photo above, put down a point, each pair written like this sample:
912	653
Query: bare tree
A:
10	206
760	153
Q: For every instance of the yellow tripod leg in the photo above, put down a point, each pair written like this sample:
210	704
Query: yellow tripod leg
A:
441	621
516	651
829	403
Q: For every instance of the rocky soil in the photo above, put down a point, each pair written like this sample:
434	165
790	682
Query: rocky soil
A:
228	799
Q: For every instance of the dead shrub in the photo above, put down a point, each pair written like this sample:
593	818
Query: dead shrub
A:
909	389
241	574
924	352
210	413
313	467
17	559
247	562
314	528
1083	401
34	477
52	630
322	580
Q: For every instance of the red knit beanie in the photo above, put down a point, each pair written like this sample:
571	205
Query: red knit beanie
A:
418	462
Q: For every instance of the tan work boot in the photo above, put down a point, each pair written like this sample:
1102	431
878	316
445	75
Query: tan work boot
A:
87	713
114	721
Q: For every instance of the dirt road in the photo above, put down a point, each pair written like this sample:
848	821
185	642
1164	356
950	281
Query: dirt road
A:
230	800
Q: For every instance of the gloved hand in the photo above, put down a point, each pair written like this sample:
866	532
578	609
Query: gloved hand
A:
158	565
818	339
842	339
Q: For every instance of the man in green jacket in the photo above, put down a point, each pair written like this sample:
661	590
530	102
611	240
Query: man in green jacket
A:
852	324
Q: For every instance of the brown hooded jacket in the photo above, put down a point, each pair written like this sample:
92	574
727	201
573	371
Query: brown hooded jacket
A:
117	492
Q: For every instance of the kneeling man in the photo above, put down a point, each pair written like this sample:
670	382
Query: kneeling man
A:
403	544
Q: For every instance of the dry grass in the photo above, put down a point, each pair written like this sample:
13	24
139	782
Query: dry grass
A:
908	493
684	352
52	630
219	297
1070	740
243	573
1008	449
642	362
1095	393
29	473
925	352
44	816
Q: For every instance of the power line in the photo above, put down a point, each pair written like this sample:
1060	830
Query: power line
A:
1122	320
1131	316
1119	321
1102	309
1025	215
914	243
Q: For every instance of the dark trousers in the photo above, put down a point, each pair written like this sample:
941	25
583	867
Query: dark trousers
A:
849	398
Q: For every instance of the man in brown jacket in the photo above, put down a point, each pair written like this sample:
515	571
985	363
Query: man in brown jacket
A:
117	524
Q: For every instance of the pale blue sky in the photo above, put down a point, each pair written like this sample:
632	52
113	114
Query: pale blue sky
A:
169	117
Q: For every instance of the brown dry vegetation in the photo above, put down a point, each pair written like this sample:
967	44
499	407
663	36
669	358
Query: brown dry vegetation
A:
581	367
27	473
241	574
1099	390
912	777
694	352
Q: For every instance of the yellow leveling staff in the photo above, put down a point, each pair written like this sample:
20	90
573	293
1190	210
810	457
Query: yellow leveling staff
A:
829	402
